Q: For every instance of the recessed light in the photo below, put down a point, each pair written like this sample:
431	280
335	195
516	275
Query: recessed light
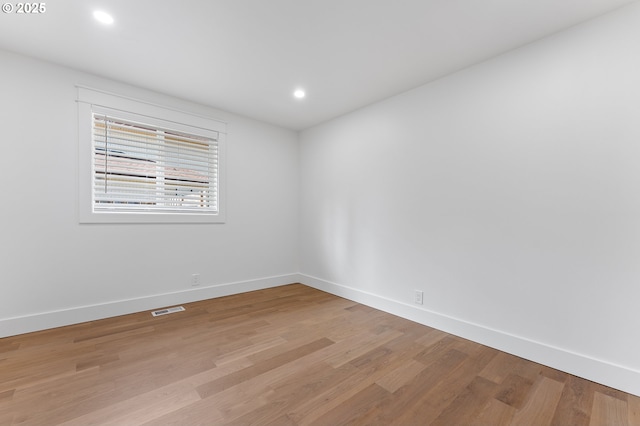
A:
103	17
299	93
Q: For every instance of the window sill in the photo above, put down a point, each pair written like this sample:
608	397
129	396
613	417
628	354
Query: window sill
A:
144	217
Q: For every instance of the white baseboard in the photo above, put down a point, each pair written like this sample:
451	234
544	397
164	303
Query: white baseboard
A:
596	370
46	320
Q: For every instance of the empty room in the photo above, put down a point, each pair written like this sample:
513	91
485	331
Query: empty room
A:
296	212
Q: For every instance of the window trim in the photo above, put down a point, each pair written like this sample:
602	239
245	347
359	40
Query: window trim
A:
92	99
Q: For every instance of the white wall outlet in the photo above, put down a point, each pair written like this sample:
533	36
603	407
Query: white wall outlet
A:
419	297
195	279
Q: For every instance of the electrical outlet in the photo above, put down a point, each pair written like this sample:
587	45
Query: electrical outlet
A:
195	279
419	297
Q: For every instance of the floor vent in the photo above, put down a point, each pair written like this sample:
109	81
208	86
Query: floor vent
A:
167	311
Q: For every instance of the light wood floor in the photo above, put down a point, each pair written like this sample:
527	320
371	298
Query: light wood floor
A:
284	356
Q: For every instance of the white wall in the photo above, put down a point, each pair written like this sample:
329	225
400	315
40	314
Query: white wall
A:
49	263
508	192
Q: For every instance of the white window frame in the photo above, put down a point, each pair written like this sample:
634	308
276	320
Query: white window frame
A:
92	101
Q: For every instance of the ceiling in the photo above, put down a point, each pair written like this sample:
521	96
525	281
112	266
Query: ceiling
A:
248	56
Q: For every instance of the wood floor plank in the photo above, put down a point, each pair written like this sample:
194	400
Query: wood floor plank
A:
233	379
154	404
366	374
541	403
252	347
505	364
608	410
514	390
495	413
399	377
410	397
361	346
289	355
289	393
574	407
431	337
140	409
7	419
200	413
634	410
433	401
351	410
7	395
468	404
263	389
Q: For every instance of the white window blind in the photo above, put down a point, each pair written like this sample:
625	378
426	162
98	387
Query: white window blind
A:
141	167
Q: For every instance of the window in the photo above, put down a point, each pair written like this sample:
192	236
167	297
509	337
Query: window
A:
144	163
